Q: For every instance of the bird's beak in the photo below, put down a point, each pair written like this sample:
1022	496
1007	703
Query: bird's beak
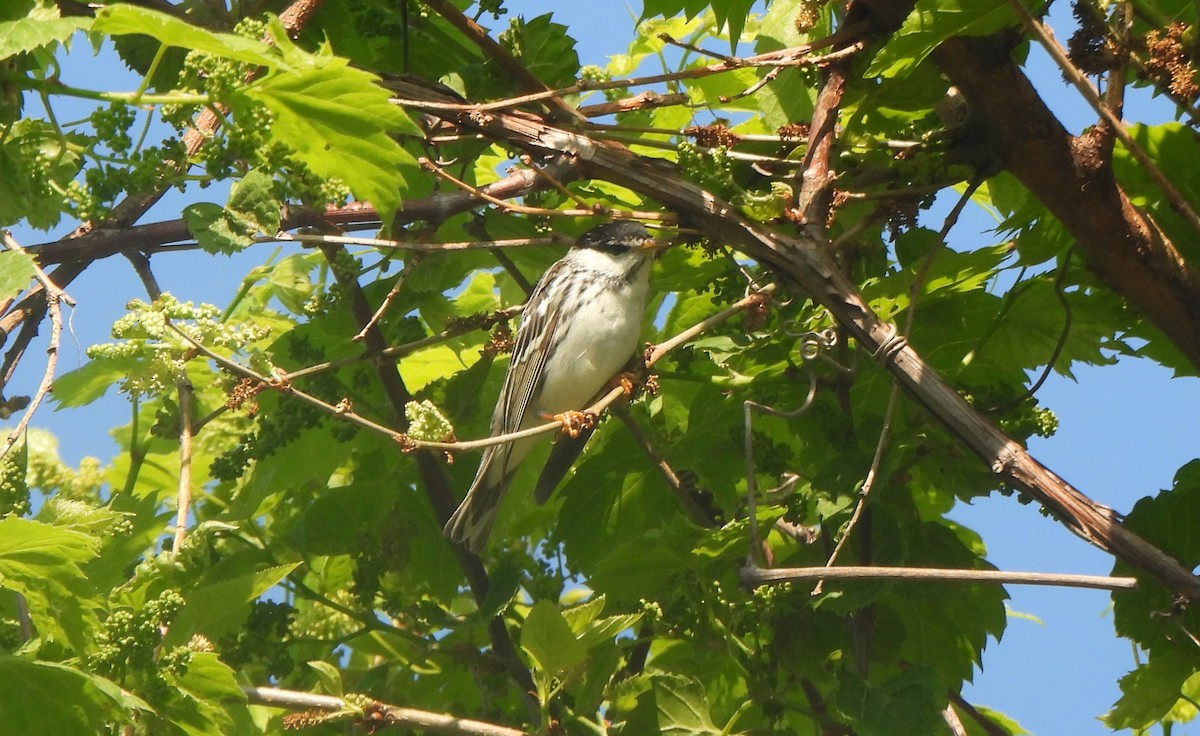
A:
651	244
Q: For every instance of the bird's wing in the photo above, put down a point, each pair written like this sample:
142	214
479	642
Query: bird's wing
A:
472	521
539	323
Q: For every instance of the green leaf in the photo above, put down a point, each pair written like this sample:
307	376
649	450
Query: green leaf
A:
216	229
123	20
1148	614
929	24
1172	146
547	637
34	159
581	616
608	628
253	208
544	48
330	676
210	698
43	25
42	563
16	269
764	206
252	199
214	608
423	368
340	123
48	697
208	678
683	707
84	385
732	13
1149	692
907	704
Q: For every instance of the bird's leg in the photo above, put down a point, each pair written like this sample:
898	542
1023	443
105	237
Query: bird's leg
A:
635	377
573	422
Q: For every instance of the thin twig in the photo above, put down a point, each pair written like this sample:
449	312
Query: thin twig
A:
754	158
914	291
794	56
864	493
528	210
54	298
183	497
642	101
410	443
285	386
953	721
378	714
697	512
498	54
383	306
318	239
760	576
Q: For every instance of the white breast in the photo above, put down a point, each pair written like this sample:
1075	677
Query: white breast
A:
595	347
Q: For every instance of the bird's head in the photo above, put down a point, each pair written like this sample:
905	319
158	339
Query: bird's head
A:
618	238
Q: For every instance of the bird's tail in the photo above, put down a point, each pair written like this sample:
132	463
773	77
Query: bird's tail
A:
472	521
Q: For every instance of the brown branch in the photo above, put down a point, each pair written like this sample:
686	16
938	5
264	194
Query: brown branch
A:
816	190
643	101
760	576
434	208
375	714
1114	126
284	385
530	210
868	484
989	727
699	515
419	98
1121	245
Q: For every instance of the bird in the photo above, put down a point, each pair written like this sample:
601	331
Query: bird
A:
578	329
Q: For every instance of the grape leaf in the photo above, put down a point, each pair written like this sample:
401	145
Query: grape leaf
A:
43	25
49	697
549	640
16	269
122	20
340	123
42	562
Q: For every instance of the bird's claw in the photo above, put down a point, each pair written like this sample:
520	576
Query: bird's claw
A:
574	422
627	381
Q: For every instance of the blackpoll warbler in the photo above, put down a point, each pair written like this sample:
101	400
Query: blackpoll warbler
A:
578	329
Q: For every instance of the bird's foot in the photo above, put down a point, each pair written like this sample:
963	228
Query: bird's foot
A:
632	382
573	422
628	381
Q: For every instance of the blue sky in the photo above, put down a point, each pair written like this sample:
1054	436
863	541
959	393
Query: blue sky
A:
1123	431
